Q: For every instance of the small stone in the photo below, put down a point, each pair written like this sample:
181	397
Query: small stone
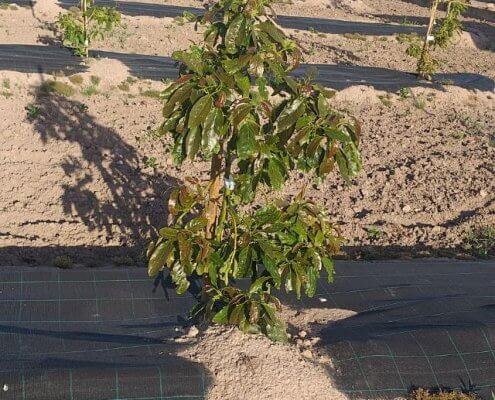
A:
307	353
5	387
483	193
307	343
407	208
322	299
192	332
315	340
436	229
299	342
303	334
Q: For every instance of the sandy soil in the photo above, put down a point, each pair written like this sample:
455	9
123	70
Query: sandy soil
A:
253	367
87	170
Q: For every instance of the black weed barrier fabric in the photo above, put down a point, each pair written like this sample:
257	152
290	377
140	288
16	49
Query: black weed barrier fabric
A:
106	333
55	59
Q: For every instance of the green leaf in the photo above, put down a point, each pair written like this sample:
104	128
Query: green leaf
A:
328	264
192	58
179	96
233	32
296	283
185	250
178	154
222	317
244	261
196	224
189	16
215	264
199	111
271	266
292	83
267	215
179	277
275	174
193	141
247	146
261	83
236	315
274	32
212	273
290	114
276	330
240	112
159	257
323	108
253	312
231	66
211	129
243	83
258	283
244	187
168	233
312	276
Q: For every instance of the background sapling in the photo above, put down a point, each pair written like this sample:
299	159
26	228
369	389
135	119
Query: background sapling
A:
80	26
436	36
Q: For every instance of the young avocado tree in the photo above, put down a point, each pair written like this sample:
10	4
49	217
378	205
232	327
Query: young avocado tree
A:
80	26
235	105
440	36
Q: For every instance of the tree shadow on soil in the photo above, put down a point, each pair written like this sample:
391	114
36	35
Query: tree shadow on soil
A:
129	202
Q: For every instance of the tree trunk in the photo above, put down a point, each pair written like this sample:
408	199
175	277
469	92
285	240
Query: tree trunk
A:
84	9
214	195
425	51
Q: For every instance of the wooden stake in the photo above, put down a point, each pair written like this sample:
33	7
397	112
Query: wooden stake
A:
426	44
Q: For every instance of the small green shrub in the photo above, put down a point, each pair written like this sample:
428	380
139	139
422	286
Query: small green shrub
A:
405	92
355	36
386	100
76	79
80	26
124	86
63	262
151	162
89	90
373	233
480	242
419	101
6	92
424	394
58	87
95	80
33	111
437	35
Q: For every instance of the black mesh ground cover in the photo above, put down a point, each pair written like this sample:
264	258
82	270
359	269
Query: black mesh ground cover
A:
103	333
51	59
